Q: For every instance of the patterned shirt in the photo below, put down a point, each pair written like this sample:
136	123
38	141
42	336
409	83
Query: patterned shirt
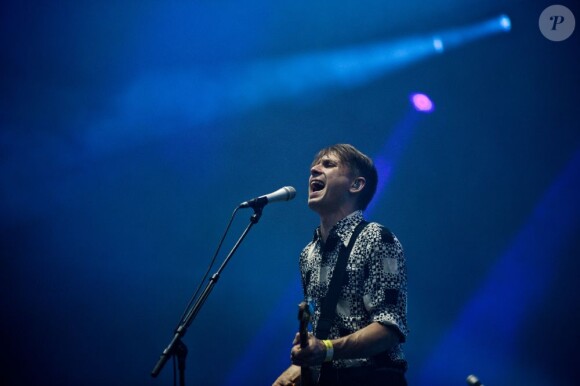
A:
375	288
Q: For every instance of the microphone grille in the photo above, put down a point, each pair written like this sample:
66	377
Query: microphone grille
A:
291	192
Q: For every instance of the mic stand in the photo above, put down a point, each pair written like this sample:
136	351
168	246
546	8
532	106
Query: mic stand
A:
181	354
176	346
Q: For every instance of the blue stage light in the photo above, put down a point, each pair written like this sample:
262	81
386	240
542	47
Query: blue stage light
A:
438	44
505	22
514	289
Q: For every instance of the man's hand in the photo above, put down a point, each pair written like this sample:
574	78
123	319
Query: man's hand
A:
311	355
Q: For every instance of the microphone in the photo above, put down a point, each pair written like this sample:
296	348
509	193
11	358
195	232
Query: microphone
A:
283	194
473	381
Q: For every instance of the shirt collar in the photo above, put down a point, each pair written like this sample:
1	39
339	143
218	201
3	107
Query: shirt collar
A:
342	229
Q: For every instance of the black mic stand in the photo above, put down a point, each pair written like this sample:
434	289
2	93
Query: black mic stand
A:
176	346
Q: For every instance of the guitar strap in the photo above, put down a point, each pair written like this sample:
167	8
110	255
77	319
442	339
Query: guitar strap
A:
328	306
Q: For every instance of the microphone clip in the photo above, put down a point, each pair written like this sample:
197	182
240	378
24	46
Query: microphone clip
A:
255	203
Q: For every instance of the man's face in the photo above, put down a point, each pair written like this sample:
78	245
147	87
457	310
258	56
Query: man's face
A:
329	184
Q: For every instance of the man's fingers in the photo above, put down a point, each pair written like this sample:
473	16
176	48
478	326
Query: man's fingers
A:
296	339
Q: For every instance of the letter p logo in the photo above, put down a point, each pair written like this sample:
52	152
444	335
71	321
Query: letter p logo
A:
557	20
557	23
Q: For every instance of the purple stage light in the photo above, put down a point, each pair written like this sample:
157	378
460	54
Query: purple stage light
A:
422	103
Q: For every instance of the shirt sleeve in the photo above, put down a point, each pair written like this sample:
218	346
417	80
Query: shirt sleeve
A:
385	283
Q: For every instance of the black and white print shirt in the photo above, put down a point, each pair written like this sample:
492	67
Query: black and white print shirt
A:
375	288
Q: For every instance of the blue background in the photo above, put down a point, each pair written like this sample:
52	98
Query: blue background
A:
131	130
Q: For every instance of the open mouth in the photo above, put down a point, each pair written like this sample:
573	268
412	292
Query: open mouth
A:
316	185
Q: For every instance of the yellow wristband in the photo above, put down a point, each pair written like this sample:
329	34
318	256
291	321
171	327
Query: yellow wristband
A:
329	350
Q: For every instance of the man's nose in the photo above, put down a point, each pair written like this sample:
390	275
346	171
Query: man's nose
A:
315	170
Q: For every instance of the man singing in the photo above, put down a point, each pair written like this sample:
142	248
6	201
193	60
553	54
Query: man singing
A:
359	320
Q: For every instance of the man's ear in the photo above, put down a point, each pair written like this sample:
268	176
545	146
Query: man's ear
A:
357	185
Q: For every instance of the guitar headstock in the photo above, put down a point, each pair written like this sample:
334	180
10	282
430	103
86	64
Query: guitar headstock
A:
303	319
304	313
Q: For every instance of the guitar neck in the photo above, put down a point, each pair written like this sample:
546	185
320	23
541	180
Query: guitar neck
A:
306	378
